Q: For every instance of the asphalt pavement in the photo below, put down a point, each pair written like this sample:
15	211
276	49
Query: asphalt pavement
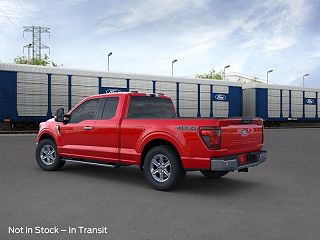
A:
277	200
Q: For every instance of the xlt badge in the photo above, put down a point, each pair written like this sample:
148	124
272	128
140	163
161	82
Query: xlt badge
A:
187	128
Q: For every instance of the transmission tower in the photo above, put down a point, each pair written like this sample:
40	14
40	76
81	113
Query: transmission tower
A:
36	44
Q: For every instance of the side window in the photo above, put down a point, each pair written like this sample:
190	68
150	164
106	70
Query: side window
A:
86	111
110	108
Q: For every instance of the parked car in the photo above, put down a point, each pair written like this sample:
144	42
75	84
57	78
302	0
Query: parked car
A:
131	128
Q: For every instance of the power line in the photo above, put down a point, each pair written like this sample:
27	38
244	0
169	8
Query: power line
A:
36	13
40	14
23	10
5	35
12	23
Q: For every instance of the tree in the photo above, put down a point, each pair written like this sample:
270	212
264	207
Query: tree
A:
255	79
45	61
212	74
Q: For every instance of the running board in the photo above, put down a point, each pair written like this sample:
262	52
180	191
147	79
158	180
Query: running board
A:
91	163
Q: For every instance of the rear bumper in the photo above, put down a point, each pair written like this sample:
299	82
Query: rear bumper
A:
232	163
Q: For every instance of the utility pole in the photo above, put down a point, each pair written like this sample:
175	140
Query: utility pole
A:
36	44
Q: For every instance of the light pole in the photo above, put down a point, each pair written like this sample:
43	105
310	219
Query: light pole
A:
173	61
270	71
306	75
224	72
109	54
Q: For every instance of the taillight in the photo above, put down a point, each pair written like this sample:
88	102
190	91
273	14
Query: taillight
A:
211	137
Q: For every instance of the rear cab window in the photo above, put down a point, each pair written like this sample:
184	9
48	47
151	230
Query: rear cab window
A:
151	107
110	108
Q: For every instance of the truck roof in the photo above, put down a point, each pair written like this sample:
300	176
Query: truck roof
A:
133	93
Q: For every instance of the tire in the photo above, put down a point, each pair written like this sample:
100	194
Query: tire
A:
163	168
47	155
213	174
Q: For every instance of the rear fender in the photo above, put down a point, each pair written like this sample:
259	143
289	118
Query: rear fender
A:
164	136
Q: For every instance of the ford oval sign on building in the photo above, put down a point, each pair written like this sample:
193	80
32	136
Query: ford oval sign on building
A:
310	101
112	90
220	97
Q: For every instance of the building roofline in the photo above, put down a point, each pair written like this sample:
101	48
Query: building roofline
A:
108	74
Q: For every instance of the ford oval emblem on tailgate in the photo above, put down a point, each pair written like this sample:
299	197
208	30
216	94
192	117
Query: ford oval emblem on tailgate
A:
244	133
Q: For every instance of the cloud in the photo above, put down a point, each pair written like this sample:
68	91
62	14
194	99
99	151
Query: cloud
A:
136	13
251	36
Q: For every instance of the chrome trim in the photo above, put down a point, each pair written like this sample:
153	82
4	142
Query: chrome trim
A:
89	163
160	168
231	164
48	154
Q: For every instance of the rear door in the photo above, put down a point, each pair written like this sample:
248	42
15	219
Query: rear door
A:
106	130
77	135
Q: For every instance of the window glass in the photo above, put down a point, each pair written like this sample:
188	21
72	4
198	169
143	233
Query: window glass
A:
110	107
86	111
151	107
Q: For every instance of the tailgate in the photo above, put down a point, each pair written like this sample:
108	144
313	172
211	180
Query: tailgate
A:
238	137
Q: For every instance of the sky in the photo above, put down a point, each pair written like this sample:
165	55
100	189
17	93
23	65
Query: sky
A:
145	36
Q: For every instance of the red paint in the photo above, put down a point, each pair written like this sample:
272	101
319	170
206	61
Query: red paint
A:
123	140
243	159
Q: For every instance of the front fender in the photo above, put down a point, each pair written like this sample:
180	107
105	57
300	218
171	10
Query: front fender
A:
50	132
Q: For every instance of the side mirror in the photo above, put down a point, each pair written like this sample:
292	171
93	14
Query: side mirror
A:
59	117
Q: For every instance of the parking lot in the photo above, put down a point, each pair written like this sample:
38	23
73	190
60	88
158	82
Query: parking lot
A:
277	200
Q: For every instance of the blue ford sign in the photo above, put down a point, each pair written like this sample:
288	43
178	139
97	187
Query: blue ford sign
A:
310	101
112	90
220	97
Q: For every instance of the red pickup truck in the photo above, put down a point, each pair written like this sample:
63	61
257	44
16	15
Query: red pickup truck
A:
121	129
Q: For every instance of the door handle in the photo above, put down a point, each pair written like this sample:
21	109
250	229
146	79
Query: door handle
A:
87	128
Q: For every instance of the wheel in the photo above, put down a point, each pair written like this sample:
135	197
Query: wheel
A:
163	168
213	174
47	155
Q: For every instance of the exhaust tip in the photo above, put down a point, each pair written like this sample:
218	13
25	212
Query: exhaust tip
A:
243	170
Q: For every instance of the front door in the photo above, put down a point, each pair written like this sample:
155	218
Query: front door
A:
77	135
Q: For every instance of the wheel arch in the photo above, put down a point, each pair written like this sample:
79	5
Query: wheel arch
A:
157	142
46	135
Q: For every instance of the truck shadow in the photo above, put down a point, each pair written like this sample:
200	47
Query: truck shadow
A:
194	182
129	175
